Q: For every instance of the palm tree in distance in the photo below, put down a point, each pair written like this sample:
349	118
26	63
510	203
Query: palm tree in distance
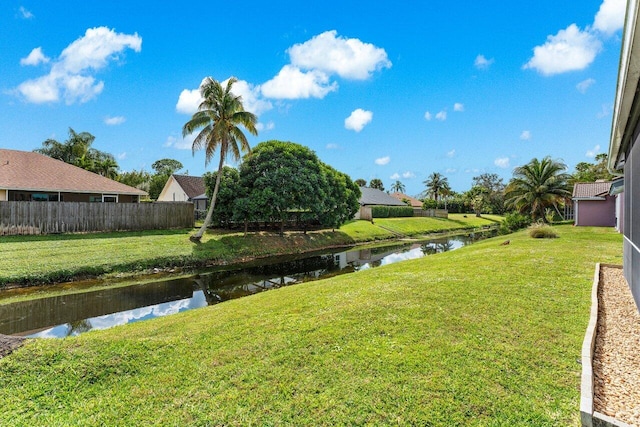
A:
398	187
218	117
536	186
436	183
377	184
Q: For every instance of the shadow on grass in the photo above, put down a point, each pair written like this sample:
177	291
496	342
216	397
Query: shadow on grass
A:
92	236
238	247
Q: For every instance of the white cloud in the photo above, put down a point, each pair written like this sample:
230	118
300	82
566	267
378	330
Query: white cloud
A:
25	13
482	63
442	116
112	121
451	170
189	99
251	97
262	126
610	16
71	76
584	85
395	176
525	135
569	50
180	143
122	156
606	110
348	58
383	160
502	162
293	83
35	57
427	116
458	107
408	175
358	119
332	146
592	153
451	153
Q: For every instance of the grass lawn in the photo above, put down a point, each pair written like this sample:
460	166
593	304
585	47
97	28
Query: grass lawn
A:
487	335
420	225
33	259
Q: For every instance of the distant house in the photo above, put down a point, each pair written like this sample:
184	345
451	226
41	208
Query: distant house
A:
593	205
375	197
30	176
185	188
413	202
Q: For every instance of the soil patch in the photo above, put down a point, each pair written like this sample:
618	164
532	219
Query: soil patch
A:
8	344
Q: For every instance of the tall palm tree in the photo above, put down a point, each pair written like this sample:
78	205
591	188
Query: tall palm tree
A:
398	187
536	186
435	184
218	117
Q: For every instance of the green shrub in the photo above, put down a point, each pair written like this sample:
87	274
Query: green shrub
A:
542	231
380	211
391	211
514	222
429	204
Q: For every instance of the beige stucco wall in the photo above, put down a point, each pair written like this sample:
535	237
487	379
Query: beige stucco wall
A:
172	192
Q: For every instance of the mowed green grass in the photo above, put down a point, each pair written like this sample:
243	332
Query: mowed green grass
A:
421	225
35	259
487	335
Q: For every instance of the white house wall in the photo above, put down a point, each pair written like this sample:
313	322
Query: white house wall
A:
172	192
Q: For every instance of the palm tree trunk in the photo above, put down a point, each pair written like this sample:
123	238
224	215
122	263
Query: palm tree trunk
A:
207	220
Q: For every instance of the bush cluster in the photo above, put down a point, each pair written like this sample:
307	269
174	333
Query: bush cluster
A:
542	231
514	222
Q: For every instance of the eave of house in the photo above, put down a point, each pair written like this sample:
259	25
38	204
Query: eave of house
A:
626	107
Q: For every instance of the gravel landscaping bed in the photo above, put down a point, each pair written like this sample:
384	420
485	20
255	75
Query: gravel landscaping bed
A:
616	360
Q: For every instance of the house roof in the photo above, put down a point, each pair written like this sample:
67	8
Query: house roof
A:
586	190
30	171
415	203
372	196
193	186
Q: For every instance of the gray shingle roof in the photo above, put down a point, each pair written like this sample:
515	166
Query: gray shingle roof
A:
591	189
372	196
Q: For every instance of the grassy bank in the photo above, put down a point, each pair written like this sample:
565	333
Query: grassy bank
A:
485	335
41	259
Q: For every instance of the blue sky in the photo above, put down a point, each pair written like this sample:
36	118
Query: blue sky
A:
377	91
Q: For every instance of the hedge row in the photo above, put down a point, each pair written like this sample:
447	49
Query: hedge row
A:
391	211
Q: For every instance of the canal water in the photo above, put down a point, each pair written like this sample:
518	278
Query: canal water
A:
75	313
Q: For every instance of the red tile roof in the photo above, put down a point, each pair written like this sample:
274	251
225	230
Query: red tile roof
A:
591	189
26	170
402	197
193	186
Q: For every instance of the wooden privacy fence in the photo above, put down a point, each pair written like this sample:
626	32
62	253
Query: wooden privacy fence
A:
73	217
366	214
438	213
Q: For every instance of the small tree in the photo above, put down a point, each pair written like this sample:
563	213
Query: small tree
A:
360	182
398	187
377	184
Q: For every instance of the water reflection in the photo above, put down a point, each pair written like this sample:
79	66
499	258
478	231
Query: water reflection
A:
73	314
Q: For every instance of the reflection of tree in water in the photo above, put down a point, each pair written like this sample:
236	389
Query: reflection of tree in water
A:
78	327
437	247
